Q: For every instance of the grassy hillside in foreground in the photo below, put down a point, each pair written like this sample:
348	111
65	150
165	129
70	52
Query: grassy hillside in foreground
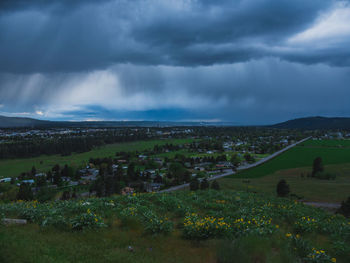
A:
13	167
300	156
203	226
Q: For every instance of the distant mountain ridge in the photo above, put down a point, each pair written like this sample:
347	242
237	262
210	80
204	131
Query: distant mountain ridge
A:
315	123
308	123
9	122
21	122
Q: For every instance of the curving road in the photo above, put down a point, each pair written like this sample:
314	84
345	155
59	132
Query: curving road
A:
243	167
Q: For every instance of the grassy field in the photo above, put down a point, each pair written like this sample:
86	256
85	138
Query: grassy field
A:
13	167
327	143
33	244
310	189
300	156
202	226
298	160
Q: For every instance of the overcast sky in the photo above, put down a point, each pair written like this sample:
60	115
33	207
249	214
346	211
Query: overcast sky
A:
244	61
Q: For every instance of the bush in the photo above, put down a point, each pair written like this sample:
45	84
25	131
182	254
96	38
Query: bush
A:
194	184
204	184
345	208
282	188
325	176
215	185
25	192
154	224
87	220
317	166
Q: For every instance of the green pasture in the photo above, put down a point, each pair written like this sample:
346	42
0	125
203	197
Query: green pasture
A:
294	165
327	143
13	167
310	189
299	156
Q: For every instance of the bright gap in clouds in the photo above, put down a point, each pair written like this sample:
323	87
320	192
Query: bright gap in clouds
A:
329	29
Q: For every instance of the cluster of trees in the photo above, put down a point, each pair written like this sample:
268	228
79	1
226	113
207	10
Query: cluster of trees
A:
195	185
319	172
166	147
64	146
208	144
111	182
35	146
41	188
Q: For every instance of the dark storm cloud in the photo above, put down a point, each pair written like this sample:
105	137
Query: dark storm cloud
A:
65	36
255	92
250	61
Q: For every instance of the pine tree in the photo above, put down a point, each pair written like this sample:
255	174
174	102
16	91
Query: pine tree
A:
317	166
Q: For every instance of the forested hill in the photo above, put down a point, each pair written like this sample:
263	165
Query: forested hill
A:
315	123
9	122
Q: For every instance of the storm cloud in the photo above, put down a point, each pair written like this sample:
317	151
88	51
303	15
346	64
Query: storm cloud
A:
250	61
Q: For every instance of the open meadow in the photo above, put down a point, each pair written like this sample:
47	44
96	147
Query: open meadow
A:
294	165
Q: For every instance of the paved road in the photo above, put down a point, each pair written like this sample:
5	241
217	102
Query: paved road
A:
244	167
178	187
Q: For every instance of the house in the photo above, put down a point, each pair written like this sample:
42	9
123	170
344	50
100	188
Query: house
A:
187	165
158	161
115	167
91	175
65	179
151	173
127	190
30	181
152	187
142	157
40	174
5	180
224	165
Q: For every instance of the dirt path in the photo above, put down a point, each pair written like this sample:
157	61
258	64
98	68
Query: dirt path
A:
329	206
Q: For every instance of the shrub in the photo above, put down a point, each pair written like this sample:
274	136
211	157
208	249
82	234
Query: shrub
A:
156	225
87	220
345	208
25	192
282	188
196	227
194	184
204	184
215	185
317	166
325	176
